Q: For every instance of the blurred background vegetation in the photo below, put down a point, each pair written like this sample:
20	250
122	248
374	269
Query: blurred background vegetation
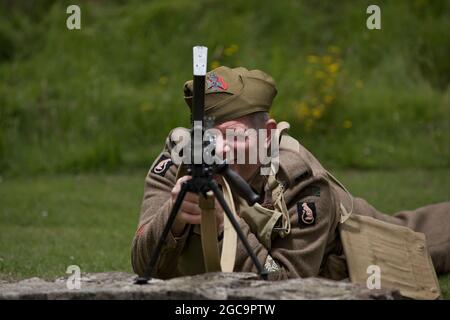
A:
103	98
83	113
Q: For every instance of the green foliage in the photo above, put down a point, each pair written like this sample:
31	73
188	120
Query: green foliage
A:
104	97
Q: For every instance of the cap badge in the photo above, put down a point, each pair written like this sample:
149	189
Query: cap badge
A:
216	83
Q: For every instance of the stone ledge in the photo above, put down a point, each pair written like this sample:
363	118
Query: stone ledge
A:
215	286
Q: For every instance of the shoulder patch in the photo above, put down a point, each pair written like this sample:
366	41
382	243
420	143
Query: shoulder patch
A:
306	214
162	165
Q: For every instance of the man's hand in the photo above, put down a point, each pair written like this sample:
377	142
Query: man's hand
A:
190	212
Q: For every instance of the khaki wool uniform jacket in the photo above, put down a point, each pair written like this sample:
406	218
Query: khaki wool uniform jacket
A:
310	249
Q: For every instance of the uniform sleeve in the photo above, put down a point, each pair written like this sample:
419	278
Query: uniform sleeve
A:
300	253
155	210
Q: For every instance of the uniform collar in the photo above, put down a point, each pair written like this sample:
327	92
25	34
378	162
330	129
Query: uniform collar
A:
287	174
257	182
293	168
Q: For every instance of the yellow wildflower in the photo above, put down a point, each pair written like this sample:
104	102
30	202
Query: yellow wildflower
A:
215	64
334	67
317	112
347	124
229	51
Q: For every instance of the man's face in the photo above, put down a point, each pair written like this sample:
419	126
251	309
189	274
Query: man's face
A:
236	140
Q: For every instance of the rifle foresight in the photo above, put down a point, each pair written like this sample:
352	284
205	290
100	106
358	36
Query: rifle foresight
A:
200	55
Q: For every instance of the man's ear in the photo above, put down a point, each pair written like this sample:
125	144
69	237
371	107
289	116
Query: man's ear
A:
270	126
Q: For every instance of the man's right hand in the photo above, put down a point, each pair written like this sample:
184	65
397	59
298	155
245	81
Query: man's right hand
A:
190	212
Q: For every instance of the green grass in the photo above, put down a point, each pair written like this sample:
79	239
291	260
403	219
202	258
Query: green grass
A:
50	222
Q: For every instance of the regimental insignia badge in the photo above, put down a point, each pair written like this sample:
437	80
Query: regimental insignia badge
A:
306	214
216	83
162	165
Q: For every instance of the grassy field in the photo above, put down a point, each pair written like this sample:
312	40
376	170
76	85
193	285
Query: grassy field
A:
50	222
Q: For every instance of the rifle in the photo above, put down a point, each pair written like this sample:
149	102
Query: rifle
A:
202	181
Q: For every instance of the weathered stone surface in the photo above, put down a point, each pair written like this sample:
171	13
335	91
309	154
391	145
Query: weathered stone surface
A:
218	286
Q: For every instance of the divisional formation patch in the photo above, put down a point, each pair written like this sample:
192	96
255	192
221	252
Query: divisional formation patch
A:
306	214
162	165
